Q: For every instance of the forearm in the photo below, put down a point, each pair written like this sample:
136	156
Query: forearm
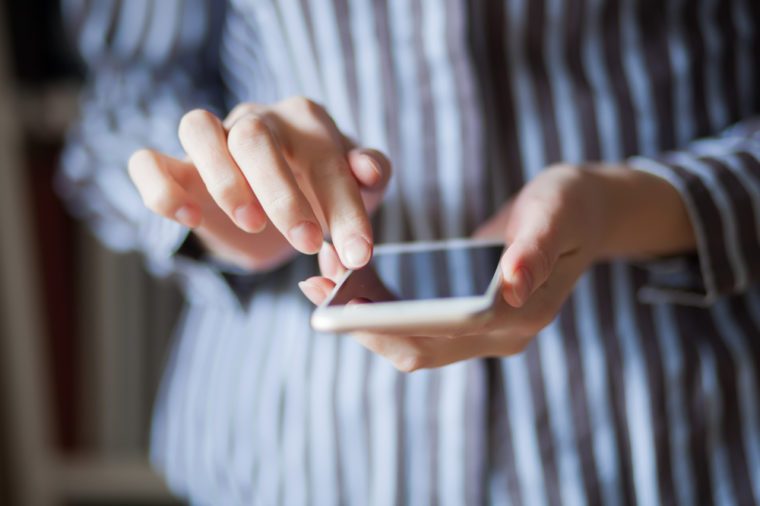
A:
643	215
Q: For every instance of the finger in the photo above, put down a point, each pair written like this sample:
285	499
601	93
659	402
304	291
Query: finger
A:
316	289
239	111
337	193
401	350
329	263
151	172
409	353
256	151
528	262
319	152
205	141
495	227
370	168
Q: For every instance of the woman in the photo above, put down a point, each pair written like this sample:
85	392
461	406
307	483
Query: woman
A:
621	367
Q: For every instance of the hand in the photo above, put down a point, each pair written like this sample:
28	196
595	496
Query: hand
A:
556	227
286	165
550	227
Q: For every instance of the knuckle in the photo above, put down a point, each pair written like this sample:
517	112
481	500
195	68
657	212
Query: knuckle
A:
352	220
306	105
541	261
326	164
195	121
224	188
243	108
285	202
248	133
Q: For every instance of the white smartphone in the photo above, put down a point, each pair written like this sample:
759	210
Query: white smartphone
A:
421	284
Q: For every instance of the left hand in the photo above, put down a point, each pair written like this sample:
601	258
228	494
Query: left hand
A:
556	227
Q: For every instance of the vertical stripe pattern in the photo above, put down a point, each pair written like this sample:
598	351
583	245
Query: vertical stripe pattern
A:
616	402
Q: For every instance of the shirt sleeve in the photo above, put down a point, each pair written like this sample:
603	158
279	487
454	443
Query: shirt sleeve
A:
719	181
148	62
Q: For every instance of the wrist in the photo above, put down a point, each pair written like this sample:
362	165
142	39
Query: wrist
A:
641	215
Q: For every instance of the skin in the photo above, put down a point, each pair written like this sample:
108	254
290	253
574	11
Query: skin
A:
267	182
270	181
558	225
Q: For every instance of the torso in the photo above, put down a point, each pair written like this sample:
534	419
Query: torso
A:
616	402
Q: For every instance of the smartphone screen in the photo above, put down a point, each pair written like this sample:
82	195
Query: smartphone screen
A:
420	273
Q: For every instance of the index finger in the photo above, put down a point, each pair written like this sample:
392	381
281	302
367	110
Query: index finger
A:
340	200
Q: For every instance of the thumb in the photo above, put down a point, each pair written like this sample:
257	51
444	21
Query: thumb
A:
496	225
528	263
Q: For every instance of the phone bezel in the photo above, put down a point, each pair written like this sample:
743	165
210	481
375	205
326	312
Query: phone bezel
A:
441	312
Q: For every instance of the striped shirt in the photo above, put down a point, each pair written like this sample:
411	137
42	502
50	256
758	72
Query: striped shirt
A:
644	389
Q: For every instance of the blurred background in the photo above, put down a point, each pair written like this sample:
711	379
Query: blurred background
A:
83	331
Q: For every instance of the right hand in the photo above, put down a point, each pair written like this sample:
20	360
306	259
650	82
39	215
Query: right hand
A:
285	165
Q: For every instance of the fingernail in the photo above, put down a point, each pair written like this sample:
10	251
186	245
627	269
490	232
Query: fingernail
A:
311	292
188	216
374	166
522	284
356	252
249	218
306	237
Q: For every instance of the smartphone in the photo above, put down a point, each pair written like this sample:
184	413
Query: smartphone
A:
421	284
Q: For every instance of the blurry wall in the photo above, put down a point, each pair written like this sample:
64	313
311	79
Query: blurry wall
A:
104	323
5	472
